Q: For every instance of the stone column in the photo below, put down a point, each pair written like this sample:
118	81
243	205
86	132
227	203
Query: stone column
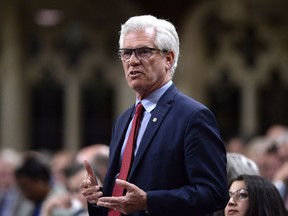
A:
249	107
12	109
72	123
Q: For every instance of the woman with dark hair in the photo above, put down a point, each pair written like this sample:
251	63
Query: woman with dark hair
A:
252	195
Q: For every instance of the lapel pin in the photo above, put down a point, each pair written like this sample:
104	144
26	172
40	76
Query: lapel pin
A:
154	120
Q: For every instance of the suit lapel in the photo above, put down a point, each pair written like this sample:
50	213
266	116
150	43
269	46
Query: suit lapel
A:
157	117
115	150
120	133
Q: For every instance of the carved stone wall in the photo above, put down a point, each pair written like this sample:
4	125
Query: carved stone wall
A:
233	59
231	53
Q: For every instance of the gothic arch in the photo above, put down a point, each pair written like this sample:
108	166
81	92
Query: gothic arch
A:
245	39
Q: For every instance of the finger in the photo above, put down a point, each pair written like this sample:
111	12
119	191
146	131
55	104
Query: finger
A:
109	202
90	173
93	197
128	186
107	205
85	183
92	191
88	167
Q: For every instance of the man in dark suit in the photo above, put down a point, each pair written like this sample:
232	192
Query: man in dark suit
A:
179	164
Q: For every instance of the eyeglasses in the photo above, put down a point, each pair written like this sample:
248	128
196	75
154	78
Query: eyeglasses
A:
142	53
239	195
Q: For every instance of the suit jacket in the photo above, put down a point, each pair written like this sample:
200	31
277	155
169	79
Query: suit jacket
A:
180	163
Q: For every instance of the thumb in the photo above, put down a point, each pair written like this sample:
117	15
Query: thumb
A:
90	173
122	183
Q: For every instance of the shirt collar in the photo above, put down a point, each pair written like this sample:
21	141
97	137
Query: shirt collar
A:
150	102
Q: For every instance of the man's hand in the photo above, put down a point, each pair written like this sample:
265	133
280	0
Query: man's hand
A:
89	187
134	200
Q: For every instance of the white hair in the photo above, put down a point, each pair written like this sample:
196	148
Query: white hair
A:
166	34
238	164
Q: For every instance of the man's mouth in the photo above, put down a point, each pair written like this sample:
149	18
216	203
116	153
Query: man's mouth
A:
132	73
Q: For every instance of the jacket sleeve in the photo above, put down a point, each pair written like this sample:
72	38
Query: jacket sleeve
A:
94	210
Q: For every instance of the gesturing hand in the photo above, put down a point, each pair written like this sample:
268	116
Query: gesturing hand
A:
134	200
89	187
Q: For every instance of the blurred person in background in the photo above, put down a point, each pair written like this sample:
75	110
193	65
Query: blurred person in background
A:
88	152
59	162
71	203
275	131
35	180
238	164
100	164
282	145
264	152
271	163
11	199
235	144
280	177
97	155
252	195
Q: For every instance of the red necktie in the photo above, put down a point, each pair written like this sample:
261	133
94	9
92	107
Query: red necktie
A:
128	154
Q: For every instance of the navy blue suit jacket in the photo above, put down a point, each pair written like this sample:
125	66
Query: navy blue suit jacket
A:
180	163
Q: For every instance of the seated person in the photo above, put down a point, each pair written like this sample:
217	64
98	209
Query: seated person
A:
252	195
34	179
238	164
72	203
11	199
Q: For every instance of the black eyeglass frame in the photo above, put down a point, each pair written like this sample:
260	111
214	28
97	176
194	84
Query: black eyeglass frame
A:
136	52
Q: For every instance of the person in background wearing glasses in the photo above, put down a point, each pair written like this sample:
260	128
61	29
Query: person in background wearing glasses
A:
238	164
179	165
253	195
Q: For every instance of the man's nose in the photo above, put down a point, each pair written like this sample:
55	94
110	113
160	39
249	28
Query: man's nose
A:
134	57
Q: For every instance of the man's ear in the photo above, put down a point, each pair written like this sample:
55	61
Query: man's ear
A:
169	59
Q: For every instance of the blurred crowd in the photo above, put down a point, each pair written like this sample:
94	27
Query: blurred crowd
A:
40	184
270	153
